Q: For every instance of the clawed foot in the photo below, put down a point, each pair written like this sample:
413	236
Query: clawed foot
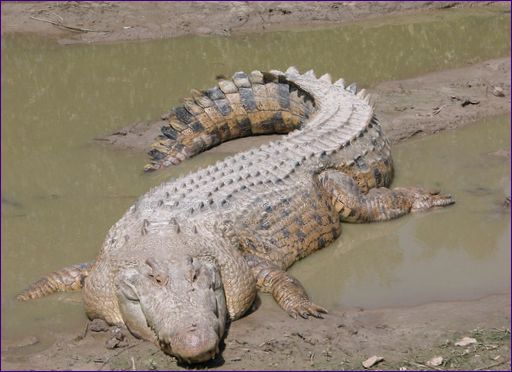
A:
305	309
425	199
291	295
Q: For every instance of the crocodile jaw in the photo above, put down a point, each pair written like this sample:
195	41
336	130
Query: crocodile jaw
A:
178	304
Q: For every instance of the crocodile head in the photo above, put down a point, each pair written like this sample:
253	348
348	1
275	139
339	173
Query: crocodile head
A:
177	303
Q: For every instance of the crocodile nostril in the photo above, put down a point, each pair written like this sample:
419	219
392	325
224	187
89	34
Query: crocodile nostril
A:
158	275
160	279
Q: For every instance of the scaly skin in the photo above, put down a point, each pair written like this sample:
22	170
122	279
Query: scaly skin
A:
248	217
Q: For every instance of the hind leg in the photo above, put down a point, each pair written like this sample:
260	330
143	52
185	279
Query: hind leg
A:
379	204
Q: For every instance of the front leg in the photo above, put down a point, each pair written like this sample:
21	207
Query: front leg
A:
379	204
286	290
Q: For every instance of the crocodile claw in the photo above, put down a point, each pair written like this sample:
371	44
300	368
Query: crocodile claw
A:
306	309
423	199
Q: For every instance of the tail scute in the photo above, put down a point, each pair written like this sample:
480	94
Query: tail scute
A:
245	105
70	278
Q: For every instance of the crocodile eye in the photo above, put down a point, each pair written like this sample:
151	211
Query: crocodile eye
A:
193	274
193	270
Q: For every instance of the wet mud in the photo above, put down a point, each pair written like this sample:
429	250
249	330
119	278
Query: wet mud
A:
110	21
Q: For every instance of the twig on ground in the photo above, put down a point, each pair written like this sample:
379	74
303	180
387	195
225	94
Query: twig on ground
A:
423	365
118	353
437	110
72	28
86	329
133	364
58	16
491	366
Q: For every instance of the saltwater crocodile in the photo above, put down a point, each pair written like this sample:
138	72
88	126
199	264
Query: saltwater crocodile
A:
190	254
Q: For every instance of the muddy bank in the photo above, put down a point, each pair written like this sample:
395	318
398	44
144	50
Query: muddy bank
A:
423	105
443	100
404	337
109	21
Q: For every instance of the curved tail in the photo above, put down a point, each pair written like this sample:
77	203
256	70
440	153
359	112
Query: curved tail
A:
70	278
245	105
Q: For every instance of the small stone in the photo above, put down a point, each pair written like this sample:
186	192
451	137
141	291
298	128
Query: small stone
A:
98	325
371	361
465	341
435	361
152	365
469	101
117	339
498	92
112	343
118	334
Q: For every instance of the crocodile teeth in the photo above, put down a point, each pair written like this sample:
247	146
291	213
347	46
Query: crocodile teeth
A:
292	70
340	83
310	74
326	77
352	88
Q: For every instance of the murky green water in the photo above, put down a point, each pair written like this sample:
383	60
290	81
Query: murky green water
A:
456	253
62	192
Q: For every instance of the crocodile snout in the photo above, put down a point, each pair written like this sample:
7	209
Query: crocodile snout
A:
194	345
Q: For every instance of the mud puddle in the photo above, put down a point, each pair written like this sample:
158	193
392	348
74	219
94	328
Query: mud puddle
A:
62	192
457	253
